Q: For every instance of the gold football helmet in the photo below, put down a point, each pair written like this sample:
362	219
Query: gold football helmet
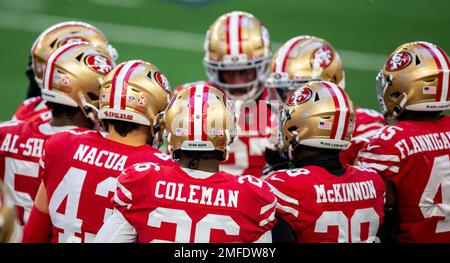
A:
416	77
237	41
63	33
200	118
303	59
135	91
319	114
9	223
73	76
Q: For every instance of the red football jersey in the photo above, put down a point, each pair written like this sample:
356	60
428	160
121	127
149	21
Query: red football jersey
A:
415	156
255	124
173	204
33	109
367	123
321	207
21	147
80	172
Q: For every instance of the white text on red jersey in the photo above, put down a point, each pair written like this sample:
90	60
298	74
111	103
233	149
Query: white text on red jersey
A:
196	194
100	158
346	192
32	147
423	143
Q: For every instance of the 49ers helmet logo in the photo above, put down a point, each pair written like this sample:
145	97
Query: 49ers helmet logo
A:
300	96
322	57
99	63
162	81
398	61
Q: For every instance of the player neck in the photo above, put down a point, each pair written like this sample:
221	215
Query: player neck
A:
77	119
327	159
420	116
194	161
137	137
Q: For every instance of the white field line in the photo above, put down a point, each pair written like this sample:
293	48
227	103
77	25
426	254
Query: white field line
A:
119	3
161	38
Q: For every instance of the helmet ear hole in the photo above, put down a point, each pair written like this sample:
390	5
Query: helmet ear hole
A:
418	62
316	98
52	45
292	128
79	56
92	96
395	95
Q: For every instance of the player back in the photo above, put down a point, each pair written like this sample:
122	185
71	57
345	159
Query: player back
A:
322	207
80	175
415	156
21	146
32	109
173	204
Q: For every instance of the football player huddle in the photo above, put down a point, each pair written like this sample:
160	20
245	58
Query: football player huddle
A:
270	148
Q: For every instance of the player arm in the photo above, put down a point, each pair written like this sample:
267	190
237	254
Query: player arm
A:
116	229
39	226
389	229
283	232
381	153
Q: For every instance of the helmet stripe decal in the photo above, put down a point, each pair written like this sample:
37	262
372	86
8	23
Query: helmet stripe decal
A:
120	83
443	67
448	73
191	112
198	104
234	41
240	34
123	100
58	27
284	53
50	65
113	86
342	116
204	112
227	33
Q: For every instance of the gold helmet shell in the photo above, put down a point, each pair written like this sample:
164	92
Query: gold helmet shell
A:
319	114
303	59
61	34
200	118
237	41
73	75
416	77
135	91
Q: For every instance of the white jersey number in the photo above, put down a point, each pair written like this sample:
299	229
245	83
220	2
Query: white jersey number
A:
338	218
15	167
439	176
69	189
183	224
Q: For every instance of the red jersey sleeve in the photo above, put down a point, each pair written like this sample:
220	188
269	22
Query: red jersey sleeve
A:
381	154
129	183
262	202
288	197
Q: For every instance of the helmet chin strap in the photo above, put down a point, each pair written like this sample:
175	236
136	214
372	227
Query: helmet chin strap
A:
90	113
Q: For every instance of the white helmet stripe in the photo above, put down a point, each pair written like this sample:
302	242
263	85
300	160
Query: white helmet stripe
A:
49	67
342	108
437	54
284	52
234	34
198	110
120	83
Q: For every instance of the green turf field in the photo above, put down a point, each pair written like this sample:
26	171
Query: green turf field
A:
170	33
